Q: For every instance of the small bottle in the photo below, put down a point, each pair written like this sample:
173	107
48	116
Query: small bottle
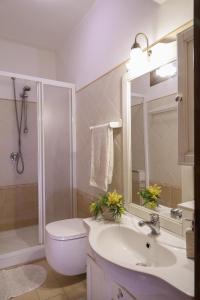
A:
190	241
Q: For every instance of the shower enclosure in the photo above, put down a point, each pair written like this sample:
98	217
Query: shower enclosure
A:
37	139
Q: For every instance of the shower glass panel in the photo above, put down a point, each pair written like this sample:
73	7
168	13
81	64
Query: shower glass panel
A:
18	192
57	152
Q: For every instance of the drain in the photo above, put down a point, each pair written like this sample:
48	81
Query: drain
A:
148	245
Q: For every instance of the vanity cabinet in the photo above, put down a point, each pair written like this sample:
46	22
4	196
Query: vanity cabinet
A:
100	286
96	281
118	292
185	98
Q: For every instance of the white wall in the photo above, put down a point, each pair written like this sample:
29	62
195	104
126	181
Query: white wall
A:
141	85
19	58
104	37
23	59
172	14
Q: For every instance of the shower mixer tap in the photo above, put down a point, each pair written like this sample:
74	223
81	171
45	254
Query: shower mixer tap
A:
25	130
25	90
14	156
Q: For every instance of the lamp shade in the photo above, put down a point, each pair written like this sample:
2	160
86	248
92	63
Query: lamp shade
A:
135	53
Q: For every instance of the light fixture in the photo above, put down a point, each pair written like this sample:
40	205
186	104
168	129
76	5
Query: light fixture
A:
137	56
136	46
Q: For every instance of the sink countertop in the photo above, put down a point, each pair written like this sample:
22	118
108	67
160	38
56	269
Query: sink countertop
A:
187	205
179	274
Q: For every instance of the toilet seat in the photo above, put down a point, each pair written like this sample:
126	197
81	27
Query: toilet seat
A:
68	229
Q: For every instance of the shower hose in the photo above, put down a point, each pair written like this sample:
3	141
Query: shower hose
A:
19	158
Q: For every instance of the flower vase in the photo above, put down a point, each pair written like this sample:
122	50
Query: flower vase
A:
107	214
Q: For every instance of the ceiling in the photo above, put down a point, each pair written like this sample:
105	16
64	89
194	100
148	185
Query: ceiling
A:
41	23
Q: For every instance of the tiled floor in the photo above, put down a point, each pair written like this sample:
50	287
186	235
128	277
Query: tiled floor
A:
20	238
58	287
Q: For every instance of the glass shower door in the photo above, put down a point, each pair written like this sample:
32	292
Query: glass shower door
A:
57	159
18	165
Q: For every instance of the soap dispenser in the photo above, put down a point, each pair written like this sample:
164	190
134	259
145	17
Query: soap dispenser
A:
190	241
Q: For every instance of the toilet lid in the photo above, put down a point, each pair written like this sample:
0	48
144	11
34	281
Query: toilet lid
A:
66	229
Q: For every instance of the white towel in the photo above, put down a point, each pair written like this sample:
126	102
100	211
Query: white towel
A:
102	157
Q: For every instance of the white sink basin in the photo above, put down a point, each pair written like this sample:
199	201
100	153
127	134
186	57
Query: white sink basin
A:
128	248
120	244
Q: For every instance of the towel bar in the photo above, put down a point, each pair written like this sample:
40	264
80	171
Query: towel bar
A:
115	124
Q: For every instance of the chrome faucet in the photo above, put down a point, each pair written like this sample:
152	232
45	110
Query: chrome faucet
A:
176	213
154	224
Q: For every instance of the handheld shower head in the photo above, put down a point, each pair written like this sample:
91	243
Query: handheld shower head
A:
24	97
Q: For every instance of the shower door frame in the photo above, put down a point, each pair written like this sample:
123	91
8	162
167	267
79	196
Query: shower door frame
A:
40	83
41	150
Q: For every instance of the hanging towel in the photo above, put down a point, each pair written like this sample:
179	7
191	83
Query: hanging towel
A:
102	156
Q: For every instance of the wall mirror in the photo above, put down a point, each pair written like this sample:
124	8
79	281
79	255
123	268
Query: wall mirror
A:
153	131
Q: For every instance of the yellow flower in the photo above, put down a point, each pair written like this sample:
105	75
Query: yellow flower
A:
155	190
92	207
114	198
151	205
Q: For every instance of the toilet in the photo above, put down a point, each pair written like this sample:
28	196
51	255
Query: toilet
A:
65	246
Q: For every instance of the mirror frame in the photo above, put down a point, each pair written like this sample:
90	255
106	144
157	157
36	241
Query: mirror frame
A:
168	223
197	143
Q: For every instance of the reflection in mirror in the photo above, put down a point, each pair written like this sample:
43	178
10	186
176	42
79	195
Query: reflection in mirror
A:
154	137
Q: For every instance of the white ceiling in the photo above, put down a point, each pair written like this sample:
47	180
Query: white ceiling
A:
41	23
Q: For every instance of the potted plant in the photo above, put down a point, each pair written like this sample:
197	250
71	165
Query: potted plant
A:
110	206
151	196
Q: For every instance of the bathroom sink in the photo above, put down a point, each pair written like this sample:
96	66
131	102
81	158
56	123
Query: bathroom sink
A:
126	247
130	251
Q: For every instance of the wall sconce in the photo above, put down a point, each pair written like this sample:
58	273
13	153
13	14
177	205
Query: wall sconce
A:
137	54
136	46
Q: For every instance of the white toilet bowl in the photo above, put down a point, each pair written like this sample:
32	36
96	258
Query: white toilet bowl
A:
65	246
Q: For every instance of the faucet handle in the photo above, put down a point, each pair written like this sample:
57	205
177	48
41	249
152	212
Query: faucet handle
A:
154	217
176	213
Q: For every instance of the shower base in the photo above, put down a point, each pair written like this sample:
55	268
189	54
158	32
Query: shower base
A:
19	246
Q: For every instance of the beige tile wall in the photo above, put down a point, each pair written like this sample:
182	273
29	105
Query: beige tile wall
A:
170	195
18	206
8	144
83	201
18	193
135	190
98	103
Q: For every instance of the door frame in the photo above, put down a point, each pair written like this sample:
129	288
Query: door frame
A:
197	143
